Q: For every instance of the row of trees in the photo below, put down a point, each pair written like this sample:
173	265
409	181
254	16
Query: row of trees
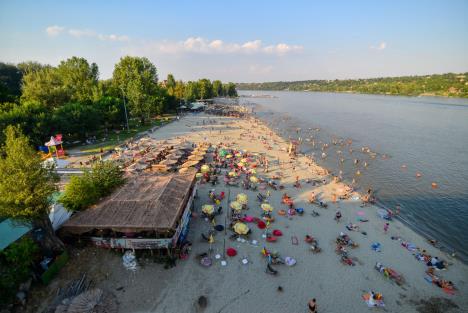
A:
72	100
201	89
448	85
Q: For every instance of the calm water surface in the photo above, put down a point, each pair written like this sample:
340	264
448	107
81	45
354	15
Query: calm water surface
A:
428	135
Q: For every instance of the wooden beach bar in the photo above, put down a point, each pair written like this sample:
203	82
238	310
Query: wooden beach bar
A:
151	211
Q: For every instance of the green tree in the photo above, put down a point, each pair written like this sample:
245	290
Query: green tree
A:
34	119
44	85
230	90
84	191
191	91
170	84
179	90
10	82
205	88
77	120
137	79
26	186
78	78
218	88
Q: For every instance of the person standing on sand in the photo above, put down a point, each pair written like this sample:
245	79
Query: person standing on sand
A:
385	228
312	306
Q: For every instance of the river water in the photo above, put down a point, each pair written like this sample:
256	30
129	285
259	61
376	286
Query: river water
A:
406	136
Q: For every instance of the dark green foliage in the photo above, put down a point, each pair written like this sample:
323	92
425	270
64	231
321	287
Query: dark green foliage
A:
77	120
449	85
84	191
15	267
10	82
54	268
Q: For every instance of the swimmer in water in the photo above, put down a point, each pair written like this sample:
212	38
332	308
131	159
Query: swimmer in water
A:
356	161
365	164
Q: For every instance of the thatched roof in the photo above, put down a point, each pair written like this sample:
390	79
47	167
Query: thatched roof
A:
146	202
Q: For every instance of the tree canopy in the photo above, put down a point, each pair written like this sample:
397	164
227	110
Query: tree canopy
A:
448	85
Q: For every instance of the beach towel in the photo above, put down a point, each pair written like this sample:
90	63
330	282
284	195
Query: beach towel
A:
294	240
277	232
376	246
371	302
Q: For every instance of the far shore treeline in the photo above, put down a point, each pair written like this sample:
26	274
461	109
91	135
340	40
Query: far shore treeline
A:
71	99
445	85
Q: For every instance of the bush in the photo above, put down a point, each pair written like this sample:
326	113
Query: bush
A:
84	191
15	267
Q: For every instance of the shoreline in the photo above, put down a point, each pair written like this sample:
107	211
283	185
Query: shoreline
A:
238	287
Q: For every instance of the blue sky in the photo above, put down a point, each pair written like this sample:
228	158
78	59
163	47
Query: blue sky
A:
244	40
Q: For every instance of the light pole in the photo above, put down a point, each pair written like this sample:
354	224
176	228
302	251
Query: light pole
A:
125	109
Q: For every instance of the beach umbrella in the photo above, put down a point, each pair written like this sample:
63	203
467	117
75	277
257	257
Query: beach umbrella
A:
253	171
240	164
229	156
198	175
253	179
236	206
168	162
222	153
238	154
242	198
231	252
244	160
195	158
189	163
183	170
266	207
93	301
241	228
208	209
232	174
205	168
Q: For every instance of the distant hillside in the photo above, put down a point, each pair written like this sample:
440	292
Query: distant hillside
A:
446	85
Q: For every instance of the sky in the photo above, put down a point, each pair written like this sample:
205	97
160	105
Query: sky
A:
244	41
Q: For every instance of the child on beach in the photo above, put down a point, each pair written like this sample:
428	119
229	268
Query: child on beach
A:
312	306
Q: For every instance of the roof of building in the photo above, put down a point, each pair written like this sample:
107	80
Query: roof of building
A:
10	232
146	202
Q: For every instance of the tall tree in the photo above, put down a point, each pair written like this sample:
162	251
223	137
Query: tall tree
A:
45	86
179	90
10	82
26	186
206	88
170	84
137	79
78	78
218	88
191	91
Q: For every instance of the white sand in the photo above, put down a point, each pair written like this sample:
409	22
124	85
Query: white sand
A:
247	288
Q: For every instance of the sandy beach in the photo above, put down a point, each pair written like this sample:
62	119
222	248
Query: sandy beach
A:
239	287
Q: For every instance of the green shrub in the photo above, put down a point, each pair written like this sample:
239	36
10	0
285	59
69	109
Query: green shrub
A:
15	267
83	191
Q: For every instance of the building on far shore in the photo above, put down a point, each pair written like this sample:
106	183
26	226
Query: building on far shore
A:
151	211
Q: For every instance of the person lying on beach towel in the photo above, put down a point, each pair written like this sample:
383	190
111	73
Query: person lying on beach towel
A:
373	299
446	285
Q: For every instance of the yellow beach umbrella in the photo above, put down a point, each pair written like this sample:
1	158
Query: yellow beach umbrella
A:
205	168
198	175
253	179
241	228
253	171
232	174
244	160
238	154
195	157
266	207
228	156
208	209
189	164
242	198
236	206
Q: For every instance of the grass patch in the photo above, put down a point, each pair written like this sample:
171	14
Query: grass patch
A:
114	139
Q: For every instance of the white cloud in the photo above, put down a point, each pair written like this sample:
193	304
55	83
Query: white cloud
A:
217	46
380	46
84	33
54	30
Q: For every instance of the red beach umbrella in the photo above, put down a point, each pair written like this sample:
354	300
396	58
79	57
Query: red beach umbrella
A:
231	252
